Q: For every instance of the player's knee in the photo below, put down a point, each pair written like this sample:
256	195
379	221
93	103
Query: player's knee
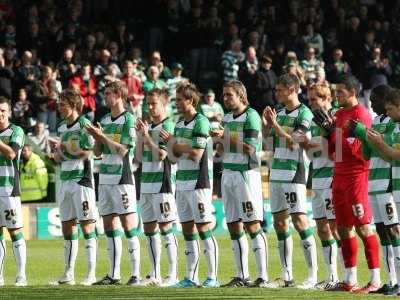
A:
324	232
364	231
381	231
300	222
150	227
395	231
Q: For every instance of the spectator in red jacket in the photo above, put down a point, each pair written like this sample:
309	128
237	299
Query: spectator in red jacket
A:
135	89
85	83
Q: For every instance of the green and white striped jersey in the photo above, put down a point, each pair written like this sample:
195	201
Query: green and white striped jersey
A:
245	127
210	111
393	139
75	137
115	169
322	170
193	175
14	137
379	169
158	176
291	166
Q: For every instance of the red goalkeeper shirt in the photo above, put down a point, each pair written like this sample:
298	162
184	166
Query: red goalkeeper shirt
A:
347	149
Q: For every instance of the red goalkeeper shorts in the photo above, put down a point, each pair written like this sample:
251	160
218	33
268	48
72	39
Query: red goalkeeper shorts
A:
350	200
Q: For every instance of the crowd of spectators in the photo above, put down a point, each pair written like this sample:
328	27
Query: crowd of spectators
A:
48	45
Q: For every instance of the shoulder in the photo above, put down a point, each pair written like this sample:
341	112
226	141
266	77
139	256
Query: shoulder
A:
106	118
83	121
252	113
200	118
16	129
168	123
305	111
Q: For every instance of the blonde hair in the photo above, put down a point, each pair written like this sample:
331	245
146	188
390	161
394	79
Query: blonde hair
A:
322	89
239	89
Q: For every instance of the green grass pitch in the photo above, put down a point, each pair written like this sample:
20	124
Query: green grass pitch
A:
45	263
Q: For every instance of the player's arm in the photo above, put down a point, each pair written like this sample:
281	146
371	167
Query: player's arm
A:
101	139
146	139
386	151
251	134
11	150
97	149
359	130
302	132
86	145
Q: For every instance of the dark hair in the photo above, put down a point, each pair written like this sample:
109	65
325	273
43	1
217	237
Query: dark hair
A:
266	58
73	98
118	87
350	82
379	93
161	93
289	80
393	97
5	100
189	92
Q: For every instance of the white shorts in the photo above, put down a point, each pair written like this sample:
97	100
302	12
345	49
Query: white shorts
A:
322	206
288	196
76	202
195	206
242	196
117	199
384	209
159	207
11	212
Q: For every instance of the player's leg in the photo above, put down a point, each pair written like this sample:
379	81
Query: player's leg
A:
191	237
154	250
125	204
384	236
171	246
70	234
114	249
150	227
202	210
371	250
301	224
329	249
129	223
89	233
321	204
240	245
85	206
252	213
388	231
394	233
166	212
279	209
113	234
296	197
13	219
2	255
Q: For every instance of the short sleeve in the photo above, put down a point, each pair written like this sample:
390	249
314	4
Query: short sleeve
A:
304	121
169	127
200	133
86	140
128	134
17	138
252	129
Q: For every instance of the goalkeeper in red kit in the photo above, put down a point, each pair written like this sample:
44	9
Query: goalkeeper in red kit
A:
350	185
